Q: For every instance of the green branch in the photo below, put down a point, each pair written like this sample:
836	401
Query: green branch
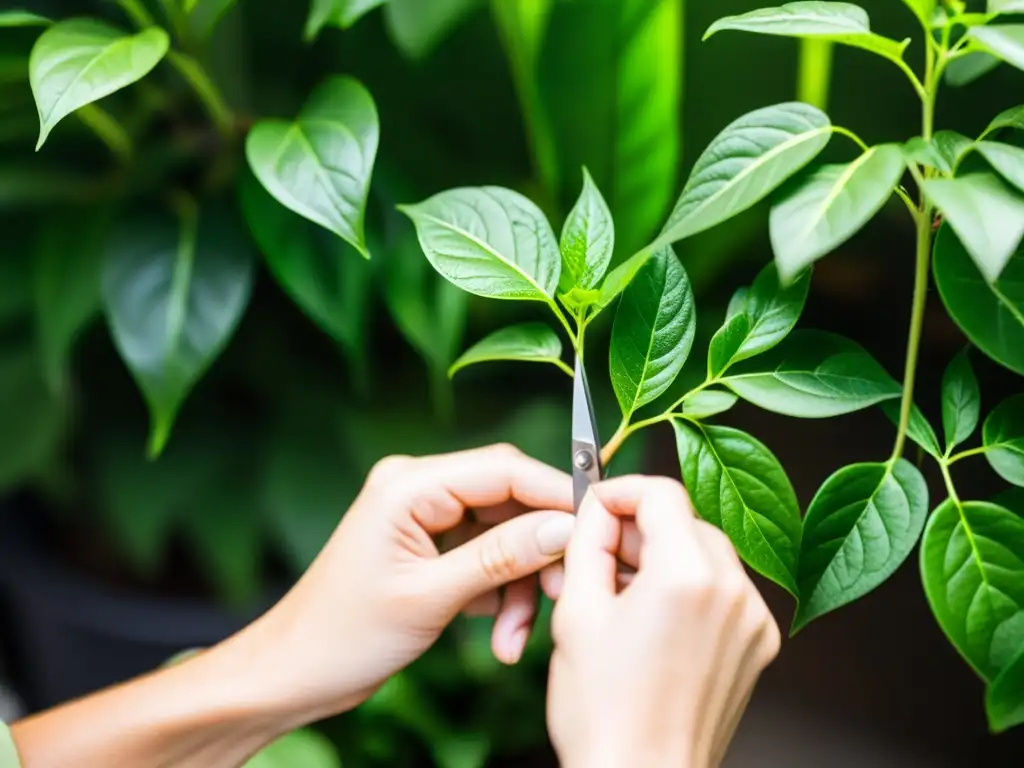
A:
207	91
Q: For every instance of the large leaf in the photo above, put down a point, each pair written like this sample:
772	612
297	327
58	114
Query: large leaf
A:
826	206
1006	41
653	332
765	317
738	485
961	401
528	342
417	27
329	281
842	23
860	527
1007	159
622	120
986	214
173	295
588	240
991	314
1004	439
814	375
1004	699
972	567
320	165
489	241
338	13
79	61
744	164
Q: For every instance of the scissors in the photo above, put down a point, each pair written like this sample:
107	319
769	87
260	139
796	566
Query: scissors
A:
586	450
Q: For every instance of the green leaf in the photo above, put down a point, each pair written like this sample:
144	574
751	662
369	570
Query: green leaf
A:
923	9
653	332
745	163
322	275
528	342
79	61
1004	439
961	401
1010	118
304	748
417	28
826	206
339	13
842	23
204	15
320	165
969	67
1005	6
986	215
943	152
972	567
1004	699
738	302
738	485
707	403
620	277
588	240
814	375
489	241
1005	41
918	428
991	314
17	18
862	524
767	315
1007	159
173	296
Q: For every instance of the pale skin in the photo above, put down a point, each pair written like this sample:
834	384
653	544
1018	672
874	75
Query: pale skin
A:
659	635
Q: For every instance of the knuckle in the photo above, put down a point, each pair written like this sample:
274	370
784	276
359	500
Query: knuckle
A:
772	641
498	560
506	449
388	468
686	586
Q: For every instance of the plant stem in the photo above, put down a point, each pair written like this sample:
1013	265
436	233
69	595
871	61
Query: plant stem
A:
137	12
207	91
815	74
950	488
966	454
565	324
565	368
107	129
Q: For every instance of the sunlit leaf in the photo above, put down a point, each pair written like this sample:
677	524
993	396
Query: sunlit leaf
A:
588	240
1006	41
527	342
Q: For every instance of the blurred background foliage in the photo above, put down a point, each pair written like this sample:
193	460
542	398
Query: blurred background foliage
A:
273	442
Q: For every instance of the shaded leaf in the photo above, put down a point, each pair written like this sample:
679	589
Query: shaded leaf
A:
708	402
588	240
1007	159
738	485
17	18
304	748
417	28
923	9
918	428
1010	118
972	66
943	152
1004	699
1005	41
961	401
1004	439
339	13
527	342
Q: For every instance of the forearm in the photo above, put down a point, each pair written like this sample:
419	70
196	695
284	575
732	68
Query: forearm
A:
215	710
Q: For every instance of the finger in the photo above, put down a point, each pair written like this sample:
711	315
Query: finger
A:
460	534
515	620
590	559
630	546
552	579
721	553
503	554
499	513
487	604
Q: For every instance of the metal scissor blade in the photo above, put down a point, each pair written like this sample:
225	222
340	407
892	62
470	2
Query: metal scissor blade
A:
586	456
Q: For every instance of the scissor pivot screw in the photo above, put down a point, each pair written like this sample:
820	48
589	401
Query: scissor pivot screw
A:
584	460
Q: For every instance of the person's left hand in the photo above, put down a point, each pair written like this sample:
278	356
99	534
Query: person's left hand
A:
381	591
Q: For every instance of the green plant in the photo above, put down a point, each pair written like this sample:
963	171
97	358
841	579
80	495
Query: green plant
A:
866	518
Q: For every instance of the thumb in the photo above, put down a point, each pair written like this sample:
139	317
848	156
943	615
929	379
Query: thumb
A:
505	553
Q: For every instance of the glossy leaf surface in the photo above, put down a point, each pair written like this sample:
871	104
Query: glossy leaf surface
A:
527	342
1007	160
961	401
1005	41
1004	439
588	240
737	484
862	524
319	166
709	402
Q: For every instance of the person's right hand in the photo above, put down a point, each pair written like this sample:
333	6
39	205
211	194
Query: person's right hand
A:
659	672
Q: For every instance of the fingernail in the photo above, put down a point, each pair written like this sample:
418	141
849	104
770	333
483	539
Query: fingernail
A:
553	536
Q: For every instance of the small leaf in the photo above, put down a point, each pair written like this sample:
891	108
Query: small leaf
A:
528	342
653	332
320	165
972	567
769	312
1004	699
918	428
738	485
79	61
992	315
620	277
923	9
339	13
744	164
965	69
826	206
1004	440
173	296
861	526
489	241
204	15
961	401
305	747
986	215
1007	159
738	302
1010	118
417	28
1006	41
588	240
17	18
329	281
708	402
842	23
814	375
943	152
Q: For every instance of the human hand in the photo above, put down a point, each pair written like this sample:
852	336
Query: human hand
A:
381	592
657	673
